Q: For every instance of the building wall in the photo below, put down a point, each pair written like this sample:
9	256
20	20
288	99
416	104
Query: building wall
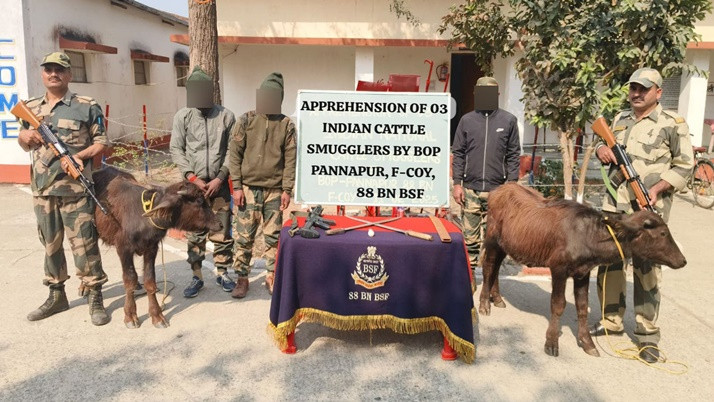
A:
110	76
13	86
310	67
329	19
372	19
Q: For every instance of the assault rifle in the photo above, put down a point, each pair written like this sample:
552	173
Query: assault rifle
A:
313	219
50	139
601	128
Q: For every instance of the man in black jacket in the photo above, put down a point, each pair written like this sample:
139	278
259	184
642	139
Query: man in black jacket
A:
486	152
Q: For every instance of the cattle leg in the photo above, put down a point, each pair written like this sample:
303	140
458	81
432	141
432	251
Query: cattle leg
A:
131	320
157	317
493	256
495	295
580	290
557	305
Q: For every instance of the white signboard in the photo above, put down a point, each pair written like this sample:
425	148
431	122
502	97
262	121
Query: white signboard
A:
13	83
373	148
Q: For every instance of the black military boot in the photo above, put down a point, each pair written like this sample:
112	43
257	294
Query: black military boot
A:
96	307
55	303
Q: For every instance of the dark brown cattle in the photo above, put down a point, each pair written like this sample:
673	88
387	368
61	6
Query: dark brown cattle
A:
132	231
570	239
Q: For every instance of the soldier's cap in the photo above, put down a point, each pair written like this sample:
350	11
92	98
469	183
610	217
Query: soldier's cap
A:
486	82
199	75
646	77
274	81
60	58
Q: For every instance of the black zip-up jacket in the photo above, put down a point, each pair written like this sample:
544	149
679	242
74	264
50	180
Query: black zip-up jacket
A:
486	150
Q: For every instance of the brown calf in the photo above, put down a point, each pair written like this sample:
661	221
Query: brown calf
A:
570	239
126	227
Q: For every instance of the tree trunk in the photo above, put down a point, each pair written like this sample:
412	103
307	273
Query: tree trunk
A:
203	41
584	170
566	151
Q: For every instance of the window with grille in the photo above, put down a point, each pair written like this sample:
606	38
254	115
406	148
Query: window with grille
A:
181	75
79	69
141	73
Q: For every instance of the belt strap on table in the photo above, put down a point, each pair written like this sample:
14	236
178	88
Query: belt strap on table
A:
440	229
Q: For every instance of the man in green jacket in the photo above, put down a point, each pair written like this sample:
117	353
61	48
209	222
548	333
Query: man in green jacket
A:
262	167
199	146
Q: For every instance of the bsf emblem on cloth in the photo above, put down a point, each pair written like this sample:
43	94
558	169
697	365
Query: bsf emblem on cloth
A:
370	272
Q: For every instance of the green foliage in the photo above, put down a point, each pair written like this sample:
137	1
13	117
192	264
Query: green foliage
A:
481	26
549	179
128	156
575	55
400	10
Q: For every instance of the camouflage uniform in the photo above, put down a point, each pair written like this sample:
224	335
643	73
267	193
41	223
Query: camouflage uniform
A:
474	222
60	202
262	163
259	203
660	149
199	145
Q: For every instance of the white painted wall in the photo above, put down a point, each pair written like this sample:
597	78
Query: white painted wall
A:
693	91
408	61
328	18
13	81
303	67
111	76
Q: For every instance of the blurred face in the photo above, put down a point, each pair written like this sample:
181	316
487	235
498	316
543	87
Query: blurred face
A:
56	77
643	99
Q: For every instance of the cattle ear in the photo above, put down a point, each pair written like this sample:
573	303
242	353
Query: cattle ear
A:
623	225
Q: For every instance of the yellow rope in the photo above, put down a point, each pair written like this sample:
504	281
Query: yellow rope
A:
163	267
629	352
148	205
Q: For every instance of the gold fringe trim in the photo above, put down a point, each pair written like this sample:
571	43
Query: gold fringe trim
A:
465	349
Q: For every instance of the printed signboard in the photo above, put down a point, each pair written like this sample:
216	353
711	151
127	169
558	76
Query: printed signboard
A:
373	148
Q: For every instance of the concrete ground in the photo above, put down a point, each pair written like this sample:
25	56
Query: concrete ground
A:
218	348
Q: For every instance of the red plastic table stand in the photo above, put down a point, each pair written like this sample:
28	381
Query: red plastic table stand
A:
291	348
448	353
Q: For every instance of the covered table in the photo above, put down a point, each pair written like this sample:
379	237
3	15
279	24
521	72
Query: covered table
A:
352	281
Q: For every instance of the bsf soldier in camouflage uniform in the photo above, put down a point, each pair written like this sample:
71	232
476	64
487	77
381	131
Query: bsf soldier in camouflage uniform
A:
199	147
486	153
262	166
657	142
60	202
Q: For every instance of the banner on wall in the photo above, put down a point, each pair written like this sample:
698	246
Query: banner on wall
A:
373	148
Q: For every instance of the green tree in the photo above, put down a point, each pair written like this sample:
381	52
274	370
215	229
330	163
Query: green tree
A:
575	55
483	27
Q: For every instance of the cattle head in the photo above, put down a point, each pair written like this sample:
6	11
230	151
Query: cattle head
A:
185	207
648	238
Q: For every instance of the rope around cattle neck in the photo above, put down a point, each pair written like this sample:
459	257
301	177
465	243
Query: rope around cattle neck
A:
629	352
148	205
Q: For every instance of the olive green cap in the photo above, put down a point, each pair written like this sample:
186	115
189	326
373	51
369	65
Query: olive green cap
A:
646	77
274	81
199	75
486	82
60	58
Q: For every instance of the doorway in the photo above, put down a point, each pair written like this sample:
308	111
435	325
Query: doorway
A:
464	74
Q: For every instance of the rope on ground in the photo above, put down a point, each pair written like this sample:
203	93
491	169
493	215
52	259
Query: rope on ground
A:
630	352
